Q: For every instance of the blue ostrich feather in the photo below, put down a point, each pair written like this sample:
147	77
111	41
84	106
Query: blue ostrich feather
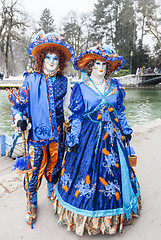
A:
21	163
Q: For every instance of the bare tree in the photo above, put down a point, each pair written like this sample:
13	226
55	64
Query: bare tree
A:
146	10
153	27
76	31
13	21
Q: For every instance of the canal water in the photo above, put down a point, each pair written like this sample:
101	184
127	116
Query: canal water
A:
141	106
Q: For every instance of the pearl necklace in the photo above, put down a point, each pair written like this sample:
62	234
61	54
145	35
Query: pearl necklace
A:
99	83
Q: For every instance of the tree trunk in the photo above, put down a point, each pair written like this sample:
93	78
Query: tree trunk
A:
6	58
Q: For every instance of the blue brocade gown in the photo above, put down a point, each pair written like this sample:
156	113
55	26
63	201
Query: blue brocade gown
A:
98	189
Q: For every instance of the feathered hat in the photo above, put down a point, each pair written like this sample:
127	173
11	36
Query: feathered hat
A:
102	53
43	41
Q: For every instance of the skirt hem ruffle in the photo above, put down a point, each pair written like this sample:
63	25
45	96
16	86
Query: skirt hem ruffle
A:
93	225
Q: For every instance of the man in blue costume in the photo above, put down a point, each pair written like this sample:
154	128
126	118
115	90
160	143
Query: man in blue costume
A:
48	92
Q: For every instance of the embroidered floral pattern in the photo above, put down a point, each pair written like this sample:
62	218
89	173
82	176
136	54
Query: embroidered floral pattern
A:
110	161
42	130
111	188
85	189
65	180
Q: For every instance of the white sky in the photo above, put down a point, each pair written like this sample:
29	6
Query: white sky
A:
58	8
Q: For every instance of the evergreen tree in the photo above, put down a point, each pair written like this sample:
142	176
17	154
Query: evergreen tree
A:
141	57
114	23
46	22
125	35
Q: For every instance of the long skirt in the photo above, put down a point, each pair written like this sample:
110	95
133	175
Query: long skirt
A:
98	190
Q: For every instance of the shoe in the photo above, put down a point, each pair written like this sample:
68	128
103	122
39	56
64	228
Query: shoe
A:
31	214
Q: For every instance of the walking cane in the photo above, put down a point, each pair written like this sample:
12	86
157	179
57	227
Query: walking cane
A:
22	165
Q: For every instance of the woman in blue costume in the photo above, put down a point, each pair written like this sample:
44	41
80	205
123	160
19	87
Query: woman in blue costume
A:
48	92
98	190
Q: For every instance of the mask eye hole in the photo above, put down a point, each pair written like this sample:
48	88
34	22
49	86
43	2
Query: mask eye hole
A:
97	63
55	58
47	57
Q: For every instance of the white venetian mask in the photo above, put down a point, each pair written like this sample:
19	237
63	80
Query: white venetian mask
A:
99	69
51	63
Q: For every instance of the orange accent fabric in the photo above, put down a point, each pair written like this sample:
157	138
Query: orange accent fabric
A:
63	162
103	181
117	196
117	165
31	152
99	116
105	151
88	181
58	128
62	172
116	119
105	136
66	188
115	130
77	193
42	168
42	140
123	138
53	148
110	109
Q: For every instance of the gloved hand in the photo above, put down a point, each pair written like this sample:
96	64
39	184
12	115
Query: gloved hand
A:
74	148
128	138
21	125
67	127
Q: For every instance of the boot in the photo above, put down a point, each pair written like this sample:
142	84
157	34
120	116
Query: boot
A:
50	187
31	214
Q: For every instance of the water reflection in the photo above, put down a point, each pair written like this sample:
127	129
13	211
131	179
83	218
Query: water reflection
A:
6	114
141	106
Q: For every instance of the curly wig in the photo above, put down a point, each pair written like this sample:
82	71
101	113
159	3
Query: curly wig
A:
39	59
88	68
